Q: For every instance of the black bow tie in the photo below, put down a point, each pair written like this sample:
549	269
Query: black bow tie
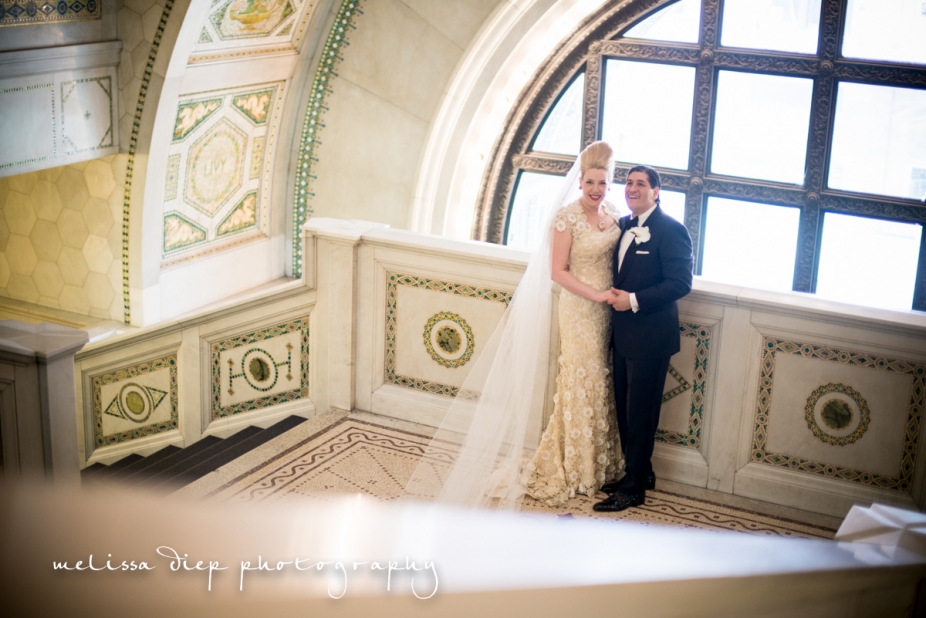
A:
633	222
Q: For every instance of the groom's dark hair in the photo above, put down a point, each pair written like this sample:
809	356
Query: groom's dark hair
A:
654	180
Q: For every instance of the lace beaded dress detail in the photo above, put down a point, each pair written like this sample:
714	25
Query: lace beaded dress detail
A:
580	448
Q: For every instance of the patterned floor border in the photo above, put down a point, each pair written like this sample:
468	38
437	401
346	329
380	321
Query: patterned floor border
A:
338	454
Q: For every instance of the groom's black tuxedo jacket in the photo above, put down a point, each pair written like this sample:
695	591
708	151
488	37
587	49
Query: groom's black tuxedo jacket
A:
658	271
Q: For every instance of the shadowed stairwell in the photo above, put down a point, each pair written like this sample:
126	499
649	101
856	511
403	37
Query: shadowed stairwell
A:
171	467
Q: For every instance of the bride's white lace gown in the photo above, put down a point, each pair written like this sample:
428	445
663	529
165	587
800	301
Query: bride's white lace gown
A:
580	448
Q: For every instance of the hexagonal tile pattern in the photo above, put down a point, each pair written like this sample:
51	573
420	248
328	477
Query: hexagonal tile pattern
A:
22	287
99	291
73	266
4	189
21	255
19	213
5	271
96	252
74	299
47	279
24	183
98	216
73	229
72	188
65	222
4	234
46	201
46	240
99	176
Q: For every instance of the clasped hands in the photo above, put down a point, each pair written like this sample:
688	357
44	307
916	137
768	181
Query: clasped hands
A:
618	299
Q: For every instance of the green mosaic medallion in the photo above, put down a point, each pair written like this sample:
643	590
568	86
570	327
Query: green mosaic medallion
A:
836	413
449	339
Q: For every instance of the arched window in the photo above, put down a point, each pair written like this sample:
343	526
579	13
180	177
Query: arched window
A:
790	136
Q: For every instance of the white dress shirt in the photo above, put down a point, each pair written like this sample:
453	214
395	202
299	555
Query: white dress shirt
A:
626	240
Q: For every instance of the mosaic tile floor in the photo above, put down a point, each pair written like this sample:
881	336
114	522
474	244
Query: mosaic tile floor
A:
355	456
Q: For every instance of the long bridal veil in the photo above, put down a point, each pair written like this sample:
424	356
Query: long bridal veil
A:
478	452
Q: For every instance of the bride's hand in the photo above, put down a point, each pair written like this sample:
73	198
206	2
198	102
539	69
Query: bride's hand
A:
606	297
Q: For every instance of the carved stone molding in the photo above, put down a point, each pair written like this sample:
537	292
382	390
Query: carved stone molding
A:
754	192
766	63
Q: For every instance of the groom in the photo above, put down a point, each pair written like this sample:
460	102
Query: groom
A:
652	270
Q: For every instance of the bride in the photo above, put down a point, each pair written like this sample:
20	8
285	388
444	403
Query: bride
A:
580	447
497	414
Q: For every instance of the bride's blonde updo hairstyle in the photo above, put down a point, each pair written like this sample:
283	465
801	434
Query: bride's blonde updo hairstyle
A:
598	155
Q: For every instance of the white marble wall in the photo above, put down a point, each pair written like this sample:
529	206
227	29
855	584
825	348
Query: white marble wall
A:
735	414
60	106
212	373
779	397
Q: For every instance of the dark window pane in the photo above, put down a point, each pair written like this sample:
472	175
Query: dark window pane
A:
561	132
647	112
750	244
891	30
677	23
791	26
868	261
879	141
760	126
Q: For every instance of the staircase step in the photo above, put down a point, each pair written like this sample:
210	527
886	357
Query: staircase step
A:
143	476
203	456
92	469
234	451
112	468
150	460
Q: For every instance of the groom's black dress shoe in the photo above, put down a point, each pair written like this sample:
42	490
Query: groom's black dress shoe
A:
613	486
618	502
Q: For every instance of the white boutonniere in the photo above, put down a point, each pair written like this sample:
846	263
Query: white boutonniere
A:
641	234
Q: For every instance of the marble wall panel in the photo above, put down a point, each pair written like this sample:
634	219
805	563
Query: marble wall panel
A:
435	328
219	169
56	118
261	368
839	413
682	416
135	401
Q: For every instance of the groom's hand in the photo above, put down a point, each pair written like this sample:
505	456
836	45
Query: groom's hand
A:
620	300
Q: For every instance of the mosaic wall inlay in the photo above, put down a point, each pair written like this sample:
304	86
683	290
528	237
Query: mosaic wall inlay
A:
261	26
222	141
38	12
77	132
772	347
393	280
260	369
173	178
449	339
828	415
140	400
337	36
181	232
702	336
133	146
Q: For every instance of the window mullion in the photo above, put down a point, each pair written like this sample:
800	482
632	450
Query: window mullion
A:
594	94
